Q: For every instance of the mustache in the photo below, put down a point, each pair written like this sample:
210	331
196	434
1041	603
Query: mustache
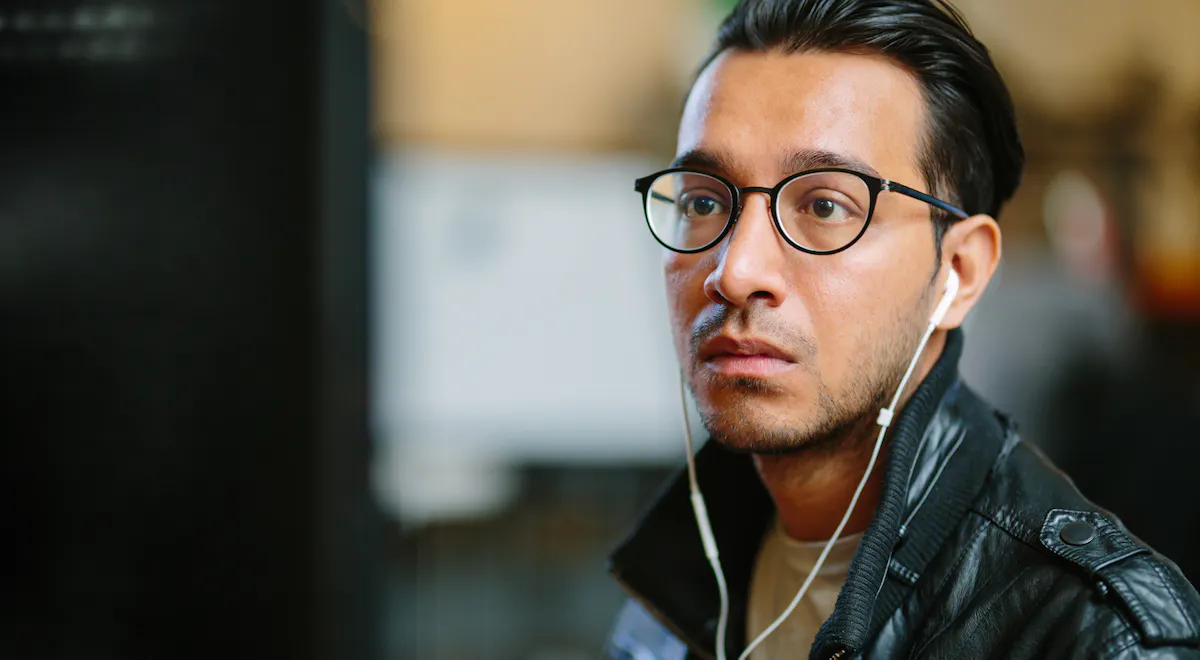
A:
756	321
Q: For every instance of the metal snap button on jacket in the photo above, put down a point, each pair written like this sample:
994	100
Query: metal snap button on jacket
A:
1077	533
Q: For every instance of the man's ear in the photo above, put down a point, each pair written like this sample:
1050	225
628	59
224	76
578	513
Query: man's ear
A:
972	248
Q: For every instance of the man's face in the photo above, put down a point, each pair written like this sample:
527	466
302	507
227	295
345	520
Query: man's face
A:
782	348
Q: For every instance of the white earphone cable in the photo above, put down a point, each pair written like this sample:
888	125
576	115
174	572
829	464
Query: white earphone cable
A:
701	513
884	420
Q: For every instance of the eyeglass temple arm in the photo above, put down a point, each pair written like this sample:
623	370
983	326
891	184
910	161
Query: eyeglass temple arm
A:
643	186
933	201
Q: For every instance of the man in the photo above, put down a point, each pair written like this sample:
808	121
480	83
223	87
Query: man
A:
813	241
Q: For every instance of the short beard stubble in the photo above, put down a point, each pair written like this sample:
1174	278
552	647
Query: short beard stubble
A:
840	423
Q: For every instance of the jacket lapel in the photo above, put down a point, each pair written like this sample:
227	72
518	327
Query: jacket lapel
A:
663	566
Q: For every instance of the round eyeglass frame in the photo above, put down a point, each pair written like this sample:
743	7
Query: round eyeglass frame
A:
875	185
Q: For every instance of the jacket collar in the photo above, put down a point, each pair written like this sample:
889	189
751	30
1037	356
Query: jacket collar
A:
929	482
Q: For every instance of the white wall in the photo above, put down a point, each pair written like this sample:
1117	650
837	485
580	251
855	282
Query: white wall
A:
519	316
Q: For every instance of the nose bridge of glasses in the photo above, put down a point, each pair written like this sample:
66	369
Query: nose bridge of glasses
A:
756	189
742	192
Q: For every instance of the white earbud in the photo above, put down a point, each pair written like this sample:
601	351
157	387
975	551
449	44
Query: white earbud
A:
947	298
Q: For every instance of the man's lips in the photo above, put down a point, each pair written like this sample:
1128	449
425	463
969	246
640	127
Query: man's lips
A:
744	357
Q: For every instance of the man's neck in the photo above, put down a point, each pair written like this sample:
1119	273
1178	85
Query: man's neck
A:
812	489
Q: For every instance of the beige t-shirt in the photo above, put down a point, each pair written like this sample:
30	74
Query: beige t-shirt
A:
783	565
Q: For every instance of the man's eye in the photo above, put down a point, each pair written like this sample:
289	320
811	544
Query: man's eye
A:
826	210
701	206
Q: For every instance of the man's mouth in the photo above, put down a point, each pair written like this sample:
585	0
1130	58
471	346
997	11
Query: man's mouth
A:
744	357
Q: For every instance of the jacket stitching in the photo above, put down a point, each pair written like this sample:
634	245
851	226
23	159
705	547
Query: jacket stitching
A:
1131	600
1011	526
1174	596
1119	642
1119	557
1085	557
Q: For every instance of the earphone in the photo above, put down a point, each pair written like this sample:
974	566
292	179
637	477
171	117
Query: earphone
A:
947	298
884	420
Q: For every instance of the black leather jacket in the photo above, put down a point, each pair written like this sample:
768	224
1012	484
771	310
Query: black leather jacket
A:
979	548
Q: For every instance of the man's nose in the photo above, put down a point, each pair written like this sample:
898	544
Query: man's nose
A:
751	259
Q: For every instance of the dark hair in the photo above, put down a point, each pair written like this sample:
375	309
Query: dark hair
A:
971	155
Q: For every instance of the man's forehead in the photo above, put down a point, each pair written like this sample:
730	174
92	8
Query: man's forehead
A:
758	114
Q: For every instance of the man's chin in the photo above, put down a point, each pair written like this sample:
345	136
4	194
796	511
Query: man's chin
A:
742	446
758	432
748	433
752	415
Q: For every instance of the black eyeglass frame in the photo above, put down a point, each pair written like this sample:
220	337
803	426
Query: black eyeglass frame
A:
875	185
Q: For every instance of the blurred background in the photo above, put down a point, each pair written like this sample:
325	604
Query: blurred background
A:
333	330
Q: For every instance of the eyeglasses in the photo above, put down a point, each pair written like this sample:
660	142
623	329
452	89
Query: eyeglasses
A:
819	211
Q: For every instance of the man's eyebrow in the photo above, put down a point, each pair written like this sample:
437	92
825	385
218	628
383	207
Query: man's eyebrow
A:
703	160
811	159
797	161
